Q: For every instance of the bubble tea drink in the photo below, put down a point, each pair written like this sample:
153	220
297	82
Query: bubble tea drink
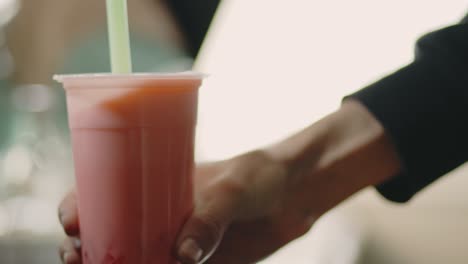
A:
133	147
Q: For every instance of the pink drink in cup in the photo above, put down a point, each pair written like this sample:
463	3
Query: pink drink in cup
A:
133	148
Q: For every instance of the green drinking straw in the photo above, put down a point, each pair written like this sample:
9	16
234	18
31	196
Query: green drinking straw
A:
119	39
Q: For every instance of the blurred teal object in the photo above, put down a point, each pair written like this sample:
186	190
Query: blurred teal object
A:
92	55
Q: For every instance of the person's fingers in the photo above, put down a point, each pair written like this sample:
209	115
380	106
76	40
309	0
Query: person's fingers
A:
70	251
263	235
204	229
68	214
260	236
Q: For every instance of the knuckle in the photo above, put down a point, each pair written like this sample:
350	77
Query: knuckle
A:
233	187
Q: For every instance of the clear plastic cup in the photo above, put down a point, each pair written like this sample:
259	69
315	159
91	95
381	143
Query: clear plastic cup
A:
133	147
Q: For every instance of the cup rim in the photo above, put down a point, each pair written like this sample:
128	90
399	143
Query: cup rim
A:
187	75
109	80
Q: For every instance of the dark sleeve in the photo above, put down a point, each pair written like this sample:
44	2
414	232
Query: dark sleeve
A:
424	109
194	17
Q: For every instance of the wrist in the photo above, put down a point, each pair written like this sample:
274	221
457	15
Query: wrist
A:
358	147
336	157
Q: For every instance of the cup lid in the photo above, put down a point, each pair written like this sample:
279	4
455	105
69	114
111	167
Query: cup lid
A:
188	75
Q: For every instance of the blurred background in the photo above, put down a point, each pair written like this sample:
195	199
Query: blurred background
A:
275	65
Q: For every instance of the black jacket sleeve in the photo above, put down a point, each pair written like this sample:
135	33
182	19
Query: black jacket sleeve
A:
424	109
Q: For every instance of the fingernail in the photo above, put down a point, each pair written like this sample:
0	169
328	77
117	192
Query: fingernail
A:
77	243
61	214
190	250
67	257
63	217
71	258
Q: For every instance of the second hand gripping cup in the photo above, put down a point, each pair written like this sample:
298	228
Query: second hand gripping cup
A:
133	148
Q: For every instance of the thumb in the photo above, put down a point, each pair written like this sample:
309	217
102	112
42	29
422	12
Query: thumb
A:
204	230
